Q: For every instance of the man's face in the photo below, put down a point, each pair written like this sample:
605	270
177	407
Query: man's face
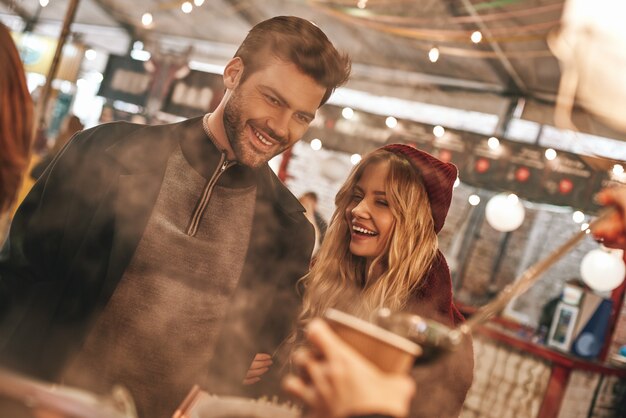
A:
270	111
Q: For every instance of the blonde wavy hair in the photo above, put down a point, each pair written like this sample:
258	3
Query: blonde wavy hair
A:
339	279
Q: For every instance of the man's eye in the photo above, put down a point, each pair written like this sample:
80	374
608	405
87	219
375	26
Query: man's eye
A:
304	119
383	202
272	100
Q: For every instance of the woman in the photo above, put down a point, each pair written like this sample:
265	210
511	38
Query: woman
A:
16	127
382	244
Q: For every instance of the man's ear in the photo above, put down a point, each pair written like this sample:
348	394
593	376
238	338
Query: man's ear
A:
233	72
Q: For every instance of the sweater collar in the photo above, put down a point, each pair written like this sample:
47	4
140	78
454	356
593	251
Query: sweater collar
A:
147	149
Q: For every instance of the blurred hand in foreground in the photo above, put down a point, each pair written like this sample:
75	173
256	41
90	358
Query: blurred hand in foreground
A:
612	231
340	382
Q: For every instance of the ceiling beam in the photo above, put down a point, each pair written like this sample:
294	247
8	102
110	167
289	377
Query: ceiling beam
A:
514	77
389	76
247	11
13	6
128	26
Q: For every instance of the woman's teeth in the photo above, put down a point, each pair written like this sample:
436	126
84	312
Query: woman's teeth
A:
363	230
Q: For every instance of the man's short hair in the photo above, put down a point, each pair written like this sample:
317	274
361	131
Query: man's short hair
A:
299	41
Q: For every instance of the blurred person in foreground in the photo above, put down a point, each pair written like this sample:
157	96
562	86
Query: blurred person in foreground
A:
612	231
381	248
159	257
16	127
342	382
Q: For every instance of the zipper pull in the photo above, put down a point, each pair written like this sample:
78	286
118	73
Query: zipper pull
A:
224	166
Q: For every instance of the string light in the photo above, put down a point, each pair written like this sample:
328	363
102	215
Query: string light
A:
618	169
347	113
578	216
198	3
186	7
493	143
355	159
474	200
361	4
90	54
316	144
433	54
457	182
438	131
476	37
146	19
44	3
550	154
391	122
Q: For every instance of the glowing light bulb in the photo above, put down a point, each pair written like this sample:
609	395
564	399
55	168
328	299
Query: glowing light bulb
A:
493	143
550	154
578	216
618	169
186	7
198	3
90	54
474	200
355	159
347	113
391	122
433	54
316	144
146	19
438	131
44	3
476	37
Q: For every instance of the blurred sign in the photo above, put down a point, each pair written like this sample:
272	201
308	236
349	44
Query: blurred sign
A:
37	53
567	181
194	95
482	165
505	166
523	170
125	79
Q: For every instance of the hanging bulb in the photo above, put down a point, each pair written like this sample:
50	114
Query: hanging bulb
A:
433	54
476	36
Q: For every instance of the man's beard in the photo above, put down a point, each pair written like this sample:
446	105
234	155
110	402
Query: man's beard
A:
235	128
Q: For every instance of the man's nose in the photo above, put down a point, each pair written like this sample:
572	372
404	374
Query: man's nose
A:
279	124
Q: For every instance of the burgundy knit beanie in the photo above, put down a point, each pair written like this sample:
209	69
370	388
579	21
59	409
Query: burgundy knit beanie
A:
438	178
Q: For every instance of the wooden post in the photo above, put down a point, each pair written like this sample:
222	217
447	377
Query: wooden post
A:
42	104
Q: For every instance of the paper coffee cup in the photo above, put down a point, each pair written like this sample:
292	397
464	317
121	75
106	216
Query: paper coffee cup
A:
389	351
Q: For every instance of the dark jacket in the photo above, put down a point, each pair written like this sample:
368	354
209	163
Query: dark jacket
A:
76	232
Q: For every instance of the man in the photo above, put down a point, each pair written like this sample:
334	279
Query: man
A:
167	256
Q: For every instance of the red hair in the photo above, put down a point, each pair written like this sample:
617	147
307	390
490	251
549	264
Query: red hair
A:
16	120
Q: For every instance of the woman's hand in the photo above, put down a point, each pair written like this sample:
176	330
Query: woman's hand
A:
260	365
341	383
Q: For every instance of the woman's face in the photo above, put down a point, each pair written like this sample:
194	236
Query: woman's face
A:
368	214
